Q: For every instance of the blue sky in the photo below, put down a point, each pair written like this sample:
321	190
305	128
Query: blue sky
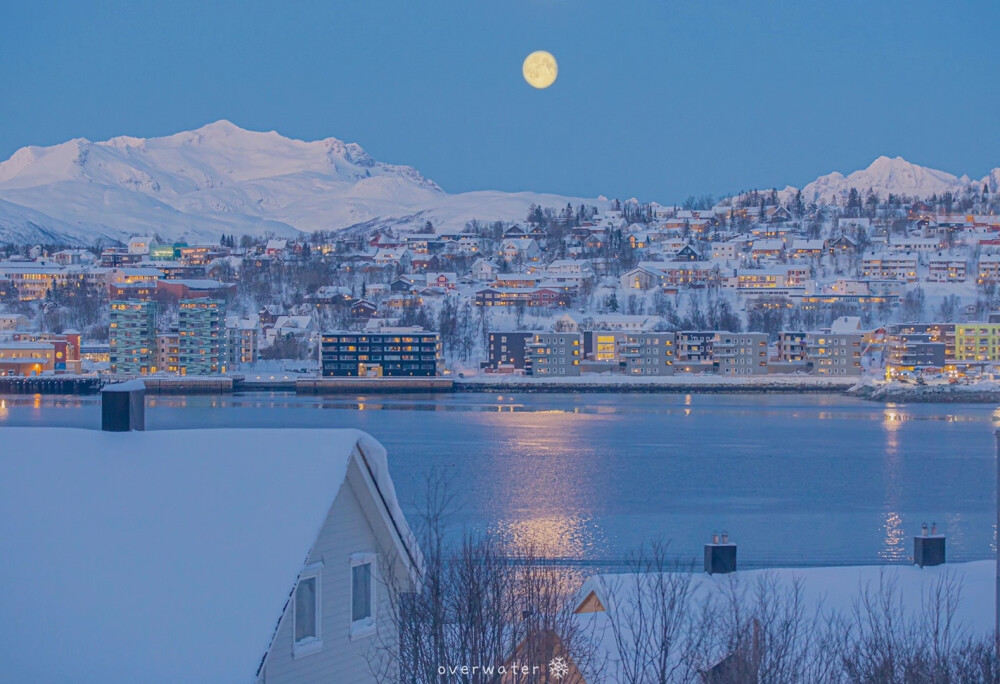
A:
655	99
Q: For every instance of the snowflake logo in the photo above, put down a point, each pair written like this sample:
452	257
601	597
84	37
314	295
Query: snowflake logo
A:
558	667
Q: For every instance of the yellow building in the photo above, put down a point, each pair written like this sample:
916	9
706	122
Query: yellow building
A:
977	342
26	358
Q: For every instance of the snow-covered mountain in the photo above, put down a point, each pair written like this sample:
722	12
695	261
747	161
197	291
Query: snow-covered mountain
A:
221	178
884	176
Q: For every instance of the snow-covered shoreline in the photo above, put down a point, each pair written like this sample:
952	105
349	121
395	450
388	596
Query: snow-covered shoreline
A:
980	392
677	384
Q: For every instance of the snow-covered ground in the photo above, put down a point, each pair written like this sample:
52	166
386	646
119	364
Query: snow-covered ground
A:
823	592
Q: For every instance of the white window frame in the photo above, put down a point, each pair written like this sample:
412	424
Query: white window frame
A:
304	647
367	626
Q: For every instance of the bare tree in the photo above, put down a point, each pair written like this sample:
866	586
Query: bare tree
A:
486	612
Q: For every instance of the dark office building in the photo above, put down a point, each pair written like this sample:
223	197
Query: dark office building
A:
389	354
507	349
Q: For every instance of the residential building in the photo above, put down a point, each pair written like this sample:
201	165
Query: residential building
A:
645	276
506	350
976	342
390	353
832	353
140	245
727	251
196	288
168	351
12	322
912	346
646	354
202	345
740	353
946	269
554	354
243	345
988	269
807	249
900	266
132	337
792	346
291	543
520	249
523	296
33	279
912	352
694	347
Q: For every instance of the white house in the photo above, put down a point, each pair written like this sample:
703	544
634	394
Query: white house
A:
645	276
524	249
483	270
197	555
139	244
574	272
399	257
13	322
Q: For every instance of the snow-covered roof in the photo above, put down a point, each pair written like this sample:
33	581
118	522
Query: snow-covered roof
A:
846	324
768	245
808	244
825	589
160	556
199	283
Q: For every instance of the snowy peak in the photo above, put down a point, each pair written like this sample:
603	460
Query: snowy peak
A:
222	179
215	154
885	176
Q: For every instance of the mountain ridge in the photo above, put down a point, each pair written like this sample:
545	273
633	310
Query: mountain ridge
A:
220	178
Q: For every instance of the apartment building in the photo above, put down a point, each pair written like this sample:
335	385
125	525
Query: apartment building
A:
554	354
647	353
792	346
988	270
912	346
168	351
506	350
944	269
132	337
740	353
901	266
243	344
834	353
632	352
390	353
977	342
202	338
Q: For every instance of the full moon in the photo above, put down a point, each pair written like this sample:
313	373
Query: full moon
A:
540	69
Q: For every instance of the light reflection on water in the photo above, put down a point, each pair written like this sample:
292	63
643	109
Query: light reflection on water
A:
803	479
894	546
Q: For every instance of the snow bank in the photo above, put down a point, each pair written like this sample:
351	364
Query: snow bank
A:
824	590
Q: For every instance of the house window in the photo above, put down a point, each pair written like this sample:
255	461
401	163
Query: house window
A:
362	594
307	621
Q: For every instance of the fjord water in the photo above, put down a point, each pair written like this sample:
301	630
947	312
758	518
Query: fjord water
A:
804	479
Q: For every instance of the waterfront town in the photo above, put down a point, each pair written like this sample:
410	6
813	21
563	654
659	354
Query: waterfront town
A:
752	286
